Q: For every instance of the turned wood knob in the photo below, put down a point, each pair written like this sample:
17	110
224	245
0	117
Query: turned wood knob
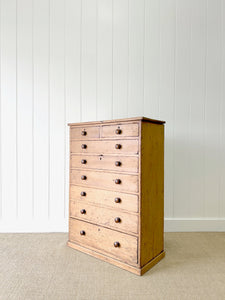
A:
83	193
83	132
83	211
118	146
117	220
118	131
117	200
116	244
83	177
117	163
84	146
82	232
117	181
83	161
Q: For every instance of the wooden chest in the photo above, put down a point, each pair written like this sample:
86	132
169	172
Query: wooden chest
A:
117	191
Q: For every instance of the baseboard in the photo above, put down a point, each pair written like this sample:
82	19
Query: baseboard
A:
171	225
27	226
194	224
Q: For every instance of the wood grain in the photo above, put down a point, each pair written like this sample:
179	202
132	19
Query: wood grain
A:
105	147
126	130
152	191
129	183
105	162
103	240
105	198
90	132
104	216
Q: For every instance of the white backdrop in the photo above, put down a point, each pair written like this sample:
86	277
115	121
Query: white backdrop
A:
71	60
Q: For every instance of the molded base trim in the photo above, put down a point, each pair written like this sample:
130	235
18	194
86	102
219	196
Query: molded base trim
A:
135	270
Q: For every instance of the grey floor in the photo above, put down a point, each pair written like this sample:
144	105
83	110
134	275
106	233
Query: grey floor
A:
41	266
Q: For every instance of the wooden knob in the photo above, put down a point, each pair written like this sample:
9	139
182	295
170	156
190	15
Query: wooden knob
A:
82	232
117	181
118	131
83	193
84	146
117	163
83	177
83	132
117	220
117	200
116	244
118	146
83	211
83	161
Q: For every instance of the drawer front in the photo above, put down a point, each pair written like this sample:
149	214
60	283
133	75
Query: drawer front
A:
103	239
120	131
104	216
84	133
104	198
112	181
105	147
105	162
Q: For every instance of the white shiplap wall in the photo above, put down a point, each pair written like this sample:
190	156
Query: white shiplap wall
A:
79	60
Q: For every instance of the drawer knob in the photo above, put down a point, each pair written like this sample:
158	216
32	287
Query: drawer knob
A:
118	163
117	200
84	146
83	211
82	232
117	181
83	161
118	131
117	220
118	146
116	244
83	193
83	177
83	132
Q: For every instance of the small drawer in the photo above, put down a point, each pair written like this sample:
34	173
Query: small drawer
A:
106	198
120	131
105	162
112	243
119	147
111	181
84	133
112	218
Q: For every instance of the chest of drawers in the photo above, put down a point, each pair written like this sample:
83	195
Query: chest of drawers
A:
116	208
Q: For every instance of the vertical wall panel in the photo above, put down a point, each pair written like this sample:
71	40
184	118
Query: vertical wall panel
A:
212	109
182	109
166	95
151	58
136	58
197	103
25	107
222	114
8	110
104	59
120	57
57	110
41	107
72	79
89	57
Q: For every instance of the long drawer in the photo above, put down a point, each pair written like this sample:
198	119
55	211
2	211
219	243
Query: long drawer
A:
105	162
113	243
100	197
112	181
104	216
118	147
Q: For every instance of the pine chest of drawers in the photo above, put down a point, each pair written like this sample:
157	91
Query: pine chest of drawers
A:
116	209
